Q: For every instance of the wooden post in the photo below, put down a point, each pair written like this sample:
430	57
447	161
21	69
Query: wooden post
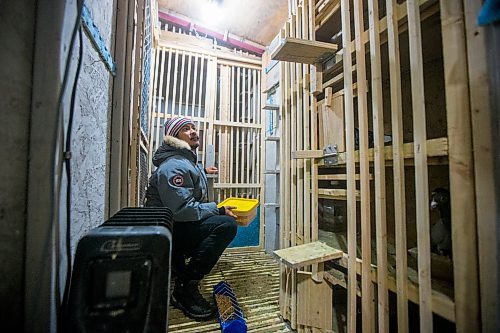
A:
380	202
462	198
351	168
398	166
188	84
421	177
366	283
480	91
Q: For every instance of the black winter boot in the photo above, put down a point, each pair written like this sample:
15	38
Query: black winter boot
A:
187	297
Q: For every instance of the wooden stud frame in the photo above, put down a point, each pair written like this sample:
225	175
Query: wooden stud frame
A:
307	98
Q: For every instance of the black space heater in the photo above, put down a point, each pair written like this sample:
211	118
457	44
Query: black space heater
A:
121	276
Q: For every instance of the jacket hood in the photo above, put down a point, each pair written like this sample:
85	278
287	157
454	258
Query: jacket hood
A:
173	146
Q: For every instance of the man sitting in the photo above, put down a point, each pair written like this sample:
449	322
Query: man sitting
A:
201	230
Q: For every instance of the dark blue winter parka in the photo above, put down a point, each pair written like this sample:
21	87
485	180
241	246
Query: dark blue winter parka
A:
179	183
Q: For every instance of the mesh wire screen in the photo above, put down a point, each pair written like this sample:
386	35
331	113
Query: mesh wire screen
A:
146	65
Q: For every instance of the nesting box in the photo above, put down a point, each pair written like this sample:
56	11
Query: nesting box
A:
246	209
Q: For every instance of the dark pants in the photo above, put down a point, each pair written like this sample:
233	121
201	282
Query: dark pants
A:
203	243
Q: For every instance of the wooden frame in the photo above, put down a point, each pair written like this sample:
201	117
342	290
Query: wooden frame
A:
408	203
221	93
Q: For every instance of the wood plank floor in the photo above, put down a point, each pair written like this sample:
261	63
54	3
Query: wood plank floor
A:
254	277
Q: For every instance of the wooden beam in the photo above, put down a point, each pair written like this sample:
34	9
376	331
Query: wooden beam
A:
338	177
366	249
351	168
464	240
487	237
421	177
339	194
380	201
435	148
398	166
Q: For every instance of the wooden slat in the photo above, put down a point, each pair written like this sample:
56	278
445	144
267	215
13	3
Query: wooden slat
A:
282	128
380	201
303	51
181	85
421	177
307	134
188	84
487	238
339	194
224	99
463	200
202	77
300	136
174	92
398	166
196	77
366	285
293	206
351	185
135	128
237	116
307	254
435	148
338	177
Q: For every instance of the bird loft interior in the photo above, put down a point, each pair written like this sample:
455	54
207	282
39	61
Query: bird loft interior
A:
354	128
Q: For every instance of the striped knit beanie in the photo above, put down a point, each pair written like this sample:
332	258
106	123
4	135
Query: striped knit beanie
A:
174	125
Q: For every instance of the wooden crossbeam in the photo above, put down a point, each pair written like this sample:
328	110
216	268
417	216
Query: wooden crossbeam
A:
435	148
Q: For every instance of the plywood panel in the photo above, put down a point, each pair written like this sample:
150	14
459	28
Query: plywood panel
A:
333	120
314	302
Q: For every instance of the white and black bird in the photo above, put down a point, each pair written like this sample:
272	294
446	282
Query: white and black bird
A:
441	230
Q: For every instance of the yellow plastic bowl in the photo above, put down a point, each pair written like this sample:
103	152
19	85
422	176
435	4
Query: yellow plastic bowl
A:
246	209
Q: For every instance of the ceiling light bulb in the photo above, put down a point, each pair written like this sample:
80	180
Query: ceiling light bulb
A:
211	14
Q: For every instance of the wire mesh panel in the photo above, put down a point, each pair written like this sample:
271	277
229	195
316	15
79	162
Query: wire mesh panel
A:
146	67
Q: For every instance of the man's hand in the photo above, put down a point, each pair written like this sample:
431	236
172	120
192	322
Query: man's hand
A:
229	211
211	170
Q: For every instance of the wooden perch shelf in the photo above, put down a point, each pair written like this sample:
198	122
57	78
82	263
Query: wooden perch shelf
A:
307	254
435	148
303	51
